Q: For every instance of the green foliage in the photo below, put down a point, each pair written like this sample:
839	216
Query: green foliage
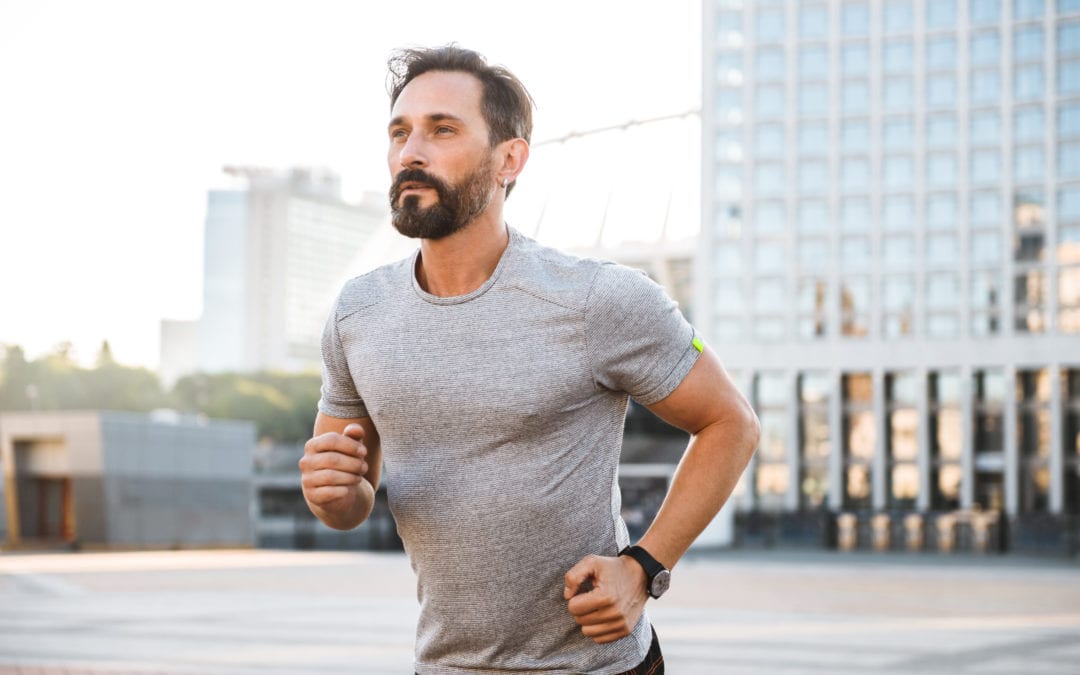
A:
281	405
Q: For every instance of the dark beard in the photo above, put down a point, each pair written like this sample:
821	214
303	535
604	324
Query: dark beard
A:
457	206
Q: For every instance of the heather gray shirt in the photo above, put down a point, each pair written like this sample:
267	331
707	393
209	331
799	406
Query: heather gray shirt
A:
501	416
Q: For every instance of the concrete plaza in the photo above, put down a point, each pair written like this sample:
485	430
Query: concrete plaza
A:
762	612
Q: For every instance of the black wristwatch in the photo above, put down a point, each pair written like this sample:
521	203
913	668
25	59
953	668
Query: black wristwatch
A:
657	577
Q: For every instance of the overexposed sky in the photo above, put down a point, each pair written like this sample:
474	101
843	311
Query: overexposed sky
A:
116	118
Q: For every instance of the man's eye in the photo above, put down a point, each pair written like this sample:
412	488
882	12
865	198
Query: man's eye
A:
398	133
444	130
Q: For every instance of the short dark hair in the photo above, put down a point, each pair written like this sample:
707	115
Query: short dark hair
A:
506	104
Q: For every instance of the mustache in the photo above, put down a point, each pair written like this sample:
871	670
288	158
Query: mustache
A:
415	176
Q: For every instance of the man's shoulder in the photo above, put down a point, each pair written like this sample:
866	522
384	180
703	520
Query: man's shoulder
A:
374	287
556	275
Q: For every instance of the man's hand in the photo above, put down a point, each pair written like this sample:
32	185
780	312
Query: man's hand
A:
332	474
606	596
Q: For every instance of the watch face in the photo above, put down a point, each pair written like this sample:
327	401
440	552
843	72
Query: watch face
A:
660	583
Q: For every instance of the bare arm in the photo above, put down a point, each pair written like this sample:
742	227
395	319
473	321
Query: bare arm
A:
340	470
723	435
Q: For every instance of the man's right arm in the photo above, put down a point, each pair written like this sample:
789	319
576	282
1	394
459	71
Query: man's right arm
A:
339	471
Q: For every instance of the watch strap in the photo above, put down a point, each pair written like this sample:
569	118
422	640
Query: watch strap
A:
650	564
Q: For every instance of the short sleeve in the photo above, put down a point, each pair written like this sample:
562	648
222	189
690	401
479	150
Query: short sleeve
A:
339	397
638	341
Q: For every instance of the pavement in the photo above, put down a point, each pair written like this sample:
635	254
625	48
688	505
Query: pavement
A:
267	612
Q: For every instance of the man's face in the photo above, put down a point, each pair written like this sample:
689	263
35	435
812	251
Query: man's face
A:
443	167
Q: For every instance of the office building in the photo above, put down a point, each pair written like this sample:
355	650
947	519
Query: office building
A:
278	247
890	264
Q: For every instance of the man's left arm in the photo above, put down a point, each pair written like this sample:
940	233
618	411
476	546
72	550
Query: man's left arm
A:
723	435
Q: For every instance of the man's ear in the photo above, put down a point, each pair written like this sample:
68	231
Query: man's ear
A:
514	154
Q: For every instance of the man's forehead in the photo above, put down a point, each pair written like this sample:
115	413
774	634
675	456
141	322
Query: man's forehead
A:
440	92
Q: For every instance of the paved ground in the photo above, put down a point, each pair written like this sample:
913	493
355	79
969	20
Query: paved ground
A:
283	612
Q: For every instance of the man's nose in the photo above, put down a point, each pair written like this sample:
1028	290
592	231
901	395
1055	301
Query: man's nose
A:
412	153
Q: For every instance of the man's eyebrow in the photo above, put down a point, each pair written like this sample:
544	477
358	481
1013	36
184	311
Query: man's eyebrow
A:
433	117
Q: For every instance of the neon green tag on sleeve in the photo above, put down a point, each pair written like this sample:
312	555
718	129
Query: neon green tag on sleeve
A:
698	344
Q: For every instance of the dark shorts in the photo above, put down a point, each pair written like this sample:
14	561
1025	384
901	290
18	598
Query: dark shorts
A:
653	663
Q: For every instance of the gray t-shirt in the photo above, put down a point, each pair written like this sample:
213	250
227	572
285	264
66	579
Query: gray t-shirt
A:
501	415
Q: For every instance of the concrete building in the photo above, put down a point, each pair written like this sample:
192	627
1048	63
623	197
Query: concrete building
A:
278	246
115	479
890	262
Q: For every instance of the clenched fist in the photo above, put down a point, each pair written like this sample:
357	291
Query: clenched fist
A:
334	474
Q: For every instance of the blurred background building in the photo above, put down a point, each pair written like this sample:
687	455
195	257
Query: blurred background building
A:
278	246
125	480
890	260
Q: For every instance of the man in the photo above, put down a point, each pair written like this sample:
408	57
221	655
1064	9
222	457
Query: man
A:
490	376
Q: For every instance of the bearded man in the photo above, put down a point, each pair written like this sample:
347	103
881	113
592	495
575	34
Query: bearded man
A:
489	376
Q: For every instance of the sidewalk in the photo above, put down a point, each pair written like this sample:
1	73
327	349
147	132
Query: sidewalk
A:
291	612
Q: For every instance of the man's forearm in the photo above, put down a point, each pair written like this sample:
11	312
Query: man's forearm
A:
703	481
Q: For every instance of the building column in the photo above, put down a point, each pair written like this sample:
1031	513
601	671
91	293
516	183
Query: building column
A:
1012	451
1057	429
967	438
794	447
11	495
922	436
836	441
879	482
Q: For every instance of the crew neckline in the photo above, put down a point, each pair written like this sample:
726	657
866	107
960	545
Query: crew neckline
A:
511	244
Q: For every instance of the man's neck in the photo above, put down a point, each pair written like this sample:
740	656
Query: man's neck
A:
461	263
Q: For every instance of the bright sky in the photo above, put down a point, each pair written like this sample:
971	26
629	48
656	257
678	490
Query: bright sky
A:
116	118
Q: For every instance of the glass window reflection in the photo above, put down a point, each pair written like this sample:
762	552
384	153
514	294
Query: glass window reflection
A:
986	49
985	127
898	213
941	130
898	16
814	138
941	53
941	211
855	59
1028	124
985	86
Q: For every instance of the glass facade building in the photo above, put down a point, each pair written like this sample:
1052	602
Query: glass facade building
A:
890	261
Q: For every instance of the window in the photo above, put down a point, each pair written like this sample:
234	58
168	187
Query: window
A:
729	27
856	19
855	253
855	136
771	467
942	250
814	139
985	247
813	255
985	49
728	179
1028	44
946	434
898	94
728	296
940	169
770	25
770	101
943	289
1029	241
898	251
1028	124
855	174
813	99
898	173
941	131
1069	202
898	213
941	91
941	53
898	298
855	215
1030	295
855	59
1027	9
769	295
856	97
769	65
901	447
814	444
897	56
860	434
985	127
769	256
854	306
985	11
941	14
813	216
941	211
813	177
899	17
1069	77
985	166
989	439
729	68
1068	119
769	217
813	22
811	306
813	63
986	290
769	140
1070	396
1068	39
1028	163
985	86
769	179
898	134
985	208
1068	166
1028	83
727	259
1033	438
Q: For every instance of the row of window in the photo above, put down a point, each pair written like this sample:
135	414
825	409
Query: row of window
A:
940	53
896	16
773	477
